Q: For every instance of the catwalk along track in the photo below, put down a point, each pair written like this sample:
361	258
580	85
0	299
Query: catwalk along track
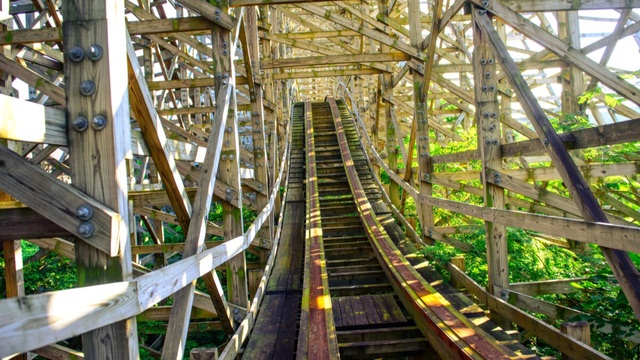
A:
341	286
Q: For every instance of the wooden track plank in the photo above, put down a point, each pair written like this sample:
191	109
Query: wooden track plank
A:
337	312
359	314
370	310
382	309
346	310
394	309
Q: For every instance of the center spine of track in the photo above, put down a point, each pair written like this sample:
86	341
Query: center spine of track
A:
316	318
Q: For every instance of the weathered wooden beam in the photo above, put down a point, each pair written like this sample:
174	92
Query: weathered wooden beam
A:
553	5
333	60
572	55
144	110
559	312
31	122
96	98
323	73
58	352
489	138
214	14
175	341
51	90
592	172
619	261
259	137
24	223
83	309
496	178
174	25
542	330
60	203
212	229
363	29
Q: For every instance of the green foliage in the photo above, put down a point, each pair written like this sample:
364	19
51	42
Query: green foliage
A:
49	274
611	100
570	122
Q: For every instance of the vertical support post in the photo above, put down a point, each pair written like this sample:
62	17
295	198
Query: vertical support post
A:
376	123
571	77
96	88
229	169
420	91
392	143
6	79
263	237
489	141
14	278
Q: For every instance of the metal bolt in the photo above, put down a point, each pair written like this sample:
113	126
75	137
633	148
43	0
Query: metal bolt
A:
494	115
492	128
495	141
223	158
482	12
232	157
485	115
491	61
84	212
228	197
95	52
99	122
487	142
225	76
86	229
229	129
492	88
217	18
218	76
225	52
487	75
546	142
80	123
87	88
484	88
225	44
76	54
217	12
485	3
228	191
483	61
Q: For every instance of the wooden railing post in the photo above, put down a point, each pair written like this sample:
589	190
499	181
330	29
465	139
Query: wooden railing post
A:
578	330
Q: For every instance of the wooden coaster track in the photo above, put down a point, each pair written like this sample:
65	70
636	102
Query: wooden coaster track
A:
359	296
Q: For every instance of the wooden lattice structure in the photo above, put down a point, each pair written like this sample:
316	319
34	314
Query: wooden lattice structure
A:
126	114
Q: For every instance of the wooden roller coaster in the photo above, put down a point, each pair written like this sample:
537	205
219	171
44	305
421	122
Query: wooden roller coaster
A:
137	137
